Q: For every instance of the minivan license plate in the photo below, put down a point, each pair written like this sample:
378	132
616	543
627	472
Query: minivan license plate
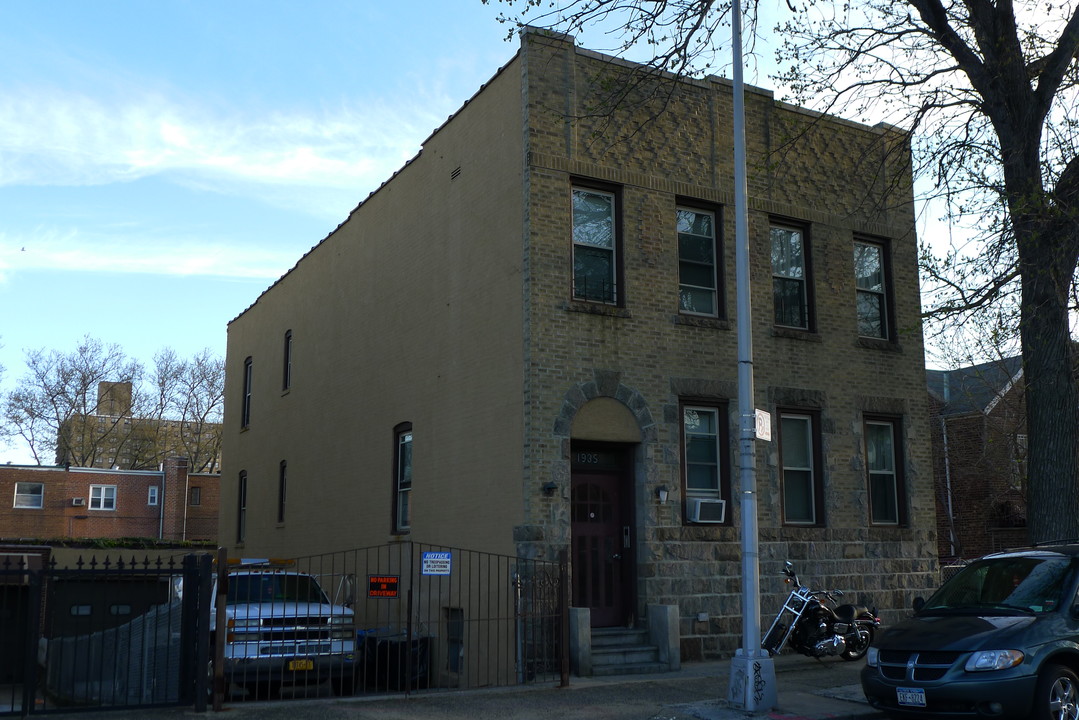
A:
306	664
911	697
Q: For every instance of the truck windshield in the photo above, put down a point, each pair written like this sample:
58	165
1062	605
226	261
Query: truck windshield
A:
274	587
1003	586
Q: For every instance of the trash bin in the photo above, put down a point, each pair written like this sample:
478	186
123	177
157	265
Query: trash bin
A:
396	663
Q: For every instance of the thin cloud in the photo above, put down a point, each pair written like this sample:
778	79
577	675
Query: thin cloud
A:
70	140
116	253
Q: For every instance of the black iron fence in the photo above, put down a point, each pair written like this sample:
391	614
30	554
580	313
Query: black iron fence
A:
405	617
421	617
99	634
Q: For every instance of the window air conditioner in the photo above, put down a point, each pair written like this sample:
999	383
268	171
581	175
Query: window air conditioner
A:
707	511
78	502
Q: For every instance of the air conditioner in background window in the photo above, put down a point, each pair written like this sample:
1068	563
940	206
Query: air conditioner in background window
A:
78	502
707	511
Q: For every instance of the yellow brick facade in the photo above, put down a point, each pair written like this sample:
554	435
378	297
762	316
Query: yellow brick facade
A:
445	300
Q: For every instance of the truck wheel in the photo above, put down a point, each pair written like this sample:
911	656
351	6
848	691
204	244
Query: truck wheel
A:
1057	696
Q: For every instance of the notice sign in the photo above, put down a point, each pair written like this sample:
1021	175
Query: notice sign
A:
437	563
383	586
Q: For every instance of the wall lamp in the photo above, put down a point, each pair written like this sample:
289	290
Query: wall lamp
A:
661	493
549	488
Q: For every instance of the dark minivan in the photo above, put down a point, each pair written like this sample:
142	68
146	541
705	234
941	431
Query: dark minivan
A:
999	639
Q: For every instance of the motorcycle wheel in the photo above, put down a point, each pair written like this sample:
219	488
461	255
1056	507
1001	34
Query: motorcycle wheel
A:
858	647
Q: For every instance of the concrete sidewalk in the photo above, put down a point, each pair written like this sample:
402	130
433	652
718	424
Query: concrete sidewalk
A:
807	689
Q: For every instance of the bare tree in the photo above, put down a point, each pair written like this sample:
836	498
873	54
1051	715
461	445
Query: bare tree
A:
988	92
96	407
54	407
202	400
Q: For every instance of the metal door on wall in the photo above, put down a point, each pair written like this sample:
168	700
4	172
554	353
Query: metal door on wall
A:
602	544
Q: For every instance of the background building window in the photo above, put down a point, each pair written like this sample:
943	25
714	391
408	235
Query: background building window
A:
790	293
241	508
194	495
29	495
151	495
102	497
286	380
871	290
882	469
595	250
402	481
245	409
801	474
281	479
697	276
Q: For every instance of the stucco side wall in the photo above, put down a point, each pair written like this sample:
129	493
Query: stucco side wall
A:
821	173
378	312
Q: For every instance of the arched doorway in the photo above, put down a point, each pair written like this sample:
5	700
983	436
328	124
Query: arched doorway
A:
603	445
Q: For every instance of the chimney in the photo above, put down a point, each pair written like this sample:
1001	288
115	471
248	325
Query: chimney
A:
114	399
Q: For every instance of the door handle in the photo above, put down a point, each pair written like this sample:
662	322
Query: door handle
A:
616	556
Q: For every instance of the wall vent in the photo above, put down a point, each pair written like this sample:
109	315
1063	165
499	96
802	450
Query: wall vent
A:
78	502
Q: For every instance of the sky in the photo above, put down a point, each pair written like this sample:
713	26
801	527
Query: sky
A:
163	162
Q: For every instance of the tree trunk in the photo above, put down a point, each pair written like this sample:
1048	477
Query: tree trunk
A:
1052	395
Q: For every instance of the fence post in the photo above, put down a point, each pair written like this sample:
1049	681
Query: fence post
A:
195	645
35	597
563	602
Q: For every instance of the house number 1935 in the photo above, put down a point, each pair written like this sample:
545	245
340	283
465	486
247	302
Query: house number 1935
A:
587	458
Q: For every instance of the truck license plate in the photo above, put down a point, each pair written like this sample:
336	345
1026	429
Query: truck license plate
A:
305	664
911	697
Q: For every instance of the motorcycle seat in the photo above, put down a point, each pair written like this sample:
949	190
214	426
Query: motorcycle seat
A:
849	613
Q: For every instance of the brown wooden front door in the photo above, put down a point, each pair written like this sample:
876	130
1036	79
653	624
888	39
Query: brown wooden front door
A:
603	554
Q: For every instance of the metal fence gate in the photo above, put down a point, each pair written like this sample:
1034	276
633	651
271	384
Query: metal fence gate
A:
127	633
435	618
108	634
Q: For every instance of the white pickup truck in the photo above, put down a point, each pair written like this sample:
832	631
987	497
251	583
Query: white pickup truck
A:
282	629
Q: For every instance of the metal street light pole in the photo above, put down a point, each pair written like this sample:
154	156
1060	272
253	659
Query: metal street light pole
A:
752	682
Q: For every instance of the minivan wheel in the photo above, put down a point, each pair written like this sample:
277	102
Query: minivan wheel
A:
1057	697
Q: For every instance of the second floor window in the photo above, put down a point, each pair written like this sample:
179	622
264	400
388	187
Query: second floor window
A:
697	286
871	290
286	372
595	246
29	495
790	290
102	497
402	483
245	408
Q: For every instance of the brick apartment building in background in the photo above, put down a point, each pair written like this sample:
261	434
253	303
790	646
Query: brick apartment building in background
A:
50	503
978	424
113	438
525	343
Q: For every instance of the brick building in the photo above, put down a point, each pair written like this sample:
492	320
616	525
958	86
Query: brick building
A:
49	503
978	424
524	342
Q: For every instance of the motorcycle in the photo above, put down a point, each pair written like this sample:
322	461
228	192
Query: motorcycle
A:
815	625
